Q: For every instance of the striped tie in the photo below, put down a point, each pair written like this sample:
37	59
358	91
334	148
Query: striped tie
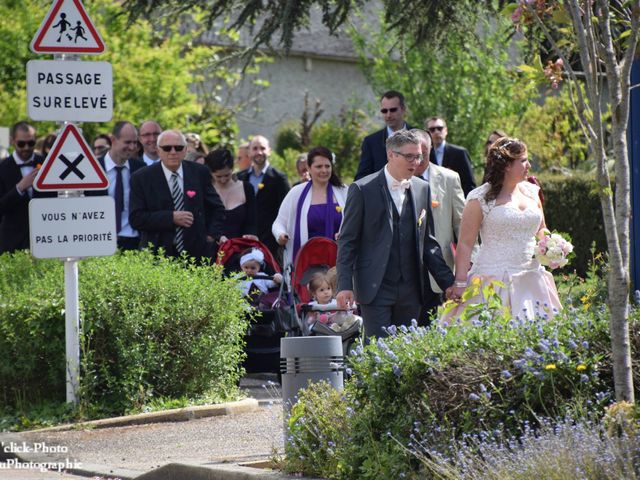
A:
178	203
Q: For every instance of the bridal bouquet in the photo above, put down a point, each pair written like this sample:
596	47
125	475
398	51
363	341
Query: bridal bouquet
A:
553	250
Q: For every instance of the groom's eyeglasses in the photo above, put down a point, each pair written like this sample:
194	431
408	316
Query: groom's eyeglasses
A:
409	157
167	148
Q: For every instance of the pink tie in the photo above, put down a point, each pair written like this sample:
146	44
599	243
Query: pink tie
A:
404	184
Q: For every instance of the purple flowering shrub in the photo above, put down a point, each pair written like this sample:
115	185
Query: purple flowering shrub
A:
316	426
565	449
427	390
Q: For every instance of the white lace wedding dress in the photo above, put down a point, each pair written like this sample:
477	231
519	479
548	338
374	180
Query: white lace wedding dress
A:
506	254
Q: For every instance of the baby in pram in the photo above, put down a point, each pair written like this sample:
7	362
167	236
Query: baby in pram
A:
323	306
257	283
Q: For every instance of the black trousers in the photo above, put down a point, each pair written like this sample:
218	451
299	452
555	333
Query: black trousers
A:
128	243
396	303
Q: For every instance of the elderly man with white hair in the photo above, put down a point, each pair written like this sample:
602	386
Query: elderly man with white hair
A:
174	204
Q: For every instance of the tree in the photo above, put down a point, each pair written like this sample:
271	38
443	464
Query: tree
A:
422	21
604	36
156	69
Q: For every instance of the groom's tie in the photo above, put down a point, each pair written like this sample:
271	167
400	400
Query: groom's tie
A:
404	184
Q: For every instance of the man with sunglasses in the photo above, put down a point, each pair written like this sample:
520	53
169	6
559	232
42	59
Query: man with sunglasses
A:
373	155
448	155
174	204
120	163
17	173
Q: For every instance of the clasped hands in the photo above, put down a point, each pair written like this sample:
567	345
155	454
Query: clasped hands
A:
454	293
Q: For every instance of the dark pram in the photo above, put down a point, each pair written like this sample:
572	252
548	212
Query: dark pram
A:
277	316
318	255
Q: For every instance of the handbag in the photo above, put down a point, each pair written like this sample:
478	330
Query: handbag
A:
286	318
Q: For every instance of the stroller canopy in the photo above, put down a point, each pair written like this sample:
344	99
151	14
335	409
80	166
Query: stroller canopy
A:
229	253
318	254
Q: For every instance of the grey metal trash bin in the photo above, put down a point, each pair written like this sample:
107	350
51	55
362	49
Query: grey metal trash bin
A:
309	359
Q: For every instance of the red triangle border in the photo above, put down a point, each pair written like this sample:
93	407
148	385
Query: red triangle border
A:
38	48
53	154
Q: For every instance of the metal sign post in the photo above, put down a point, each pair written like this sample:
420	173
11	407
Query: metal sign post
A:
70	91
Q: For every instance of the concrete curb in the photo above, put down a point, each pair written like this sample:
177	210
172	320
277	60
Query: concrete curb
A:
178	471
175	415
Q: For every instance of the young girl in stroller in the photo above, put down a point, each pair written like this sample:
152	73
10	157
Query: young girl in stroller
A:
323	306
257	284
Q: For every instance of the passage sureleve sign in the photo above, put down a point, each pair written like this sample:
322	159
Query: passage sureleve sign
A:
69	91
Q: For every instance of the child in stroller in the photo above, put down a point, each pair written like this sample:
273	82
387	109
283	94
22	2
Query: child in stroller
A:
262	341
257	283
323	308
319	255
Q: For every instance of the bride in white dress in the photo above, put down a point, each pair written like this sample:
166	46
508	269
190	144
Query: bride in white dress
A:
507	213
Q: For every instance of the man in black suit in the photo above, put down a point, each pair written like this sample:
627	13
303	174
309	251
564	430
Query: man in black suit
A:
17	173
386	243
174	204
373	155
120	163
448	155
270	186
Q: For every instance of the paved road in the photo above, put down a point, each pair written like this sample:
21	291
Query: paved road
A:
238	437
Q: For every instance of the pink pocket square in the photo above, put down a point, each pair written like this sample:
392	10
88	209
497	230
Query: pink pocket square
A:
191	193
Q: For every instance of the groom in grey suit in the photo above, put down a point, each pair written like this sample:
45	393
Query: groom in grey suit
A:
386	244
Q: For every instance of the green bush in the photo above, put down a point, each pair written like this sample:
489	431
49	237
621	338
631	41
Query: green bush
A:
288	138
32	345
429	388
151	328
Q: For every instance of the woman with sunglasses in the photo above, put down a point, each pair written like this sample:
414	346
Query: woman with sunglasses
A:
237	196
313	208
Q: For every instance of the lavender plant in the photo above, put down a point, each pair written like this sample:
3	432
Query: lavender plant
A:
428	389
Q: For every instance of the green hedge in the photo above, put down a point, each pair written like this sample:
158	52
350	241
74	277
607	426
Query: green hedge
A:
151	328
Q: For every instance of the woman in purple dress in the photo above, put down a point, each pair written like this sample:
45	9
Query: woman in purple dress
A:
313	208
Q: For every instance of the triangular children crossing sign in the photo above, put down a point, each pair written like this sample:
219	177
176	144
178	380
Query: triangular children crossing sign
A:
70	165
67	29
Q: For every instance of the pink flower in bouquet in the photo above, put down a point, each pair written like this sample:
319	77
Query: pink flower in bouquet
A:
552	250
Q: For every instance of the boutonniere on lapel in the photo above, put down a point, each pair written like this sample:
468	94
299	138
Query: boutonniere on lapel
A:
338	208
260	186
423	214
435	203
191	193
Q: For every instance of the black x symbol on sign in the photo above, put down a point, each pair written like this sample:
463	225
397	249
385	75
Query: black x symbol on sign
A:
71	166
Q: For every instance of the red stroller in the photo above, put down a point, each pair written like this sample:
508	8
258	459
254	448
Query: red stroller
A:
319	254
275	320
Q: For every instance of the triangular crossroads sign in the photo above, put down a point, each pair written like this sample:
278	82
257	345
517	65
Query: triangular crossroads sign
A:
67	29
70	165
